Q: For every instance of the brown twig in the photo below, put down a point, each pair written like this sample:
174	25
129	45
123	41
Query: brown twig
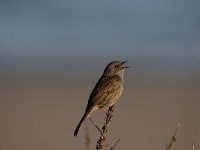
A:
87	139
113	146
193	146
104	130
95	125
173	139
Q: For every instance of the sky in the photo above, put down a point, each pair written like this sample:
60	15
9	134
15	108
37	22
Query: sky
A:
70	30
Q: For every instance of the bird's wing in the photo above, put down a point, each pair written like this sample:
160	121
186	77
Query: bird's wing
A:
104	90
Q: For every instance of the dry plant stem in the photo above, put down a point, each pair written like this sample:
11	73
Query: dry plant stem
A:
87	139
173	139
113	146
107	121
95	125
193	146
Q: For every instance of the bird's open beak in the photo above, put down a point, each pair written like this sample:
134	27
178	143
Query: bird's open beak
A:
124	63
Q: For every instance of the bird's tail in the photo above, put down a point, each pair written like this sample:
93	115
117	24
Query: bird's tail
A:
85	116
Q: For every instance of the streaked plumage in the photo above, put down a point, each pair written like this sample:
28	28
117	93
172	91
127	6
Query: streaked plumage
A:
106	91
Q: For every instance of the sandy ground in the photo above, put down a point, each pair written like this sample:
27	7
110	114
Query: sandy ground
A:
43	115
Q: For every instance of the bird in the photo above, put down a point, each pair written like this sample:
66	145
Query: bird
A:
106	92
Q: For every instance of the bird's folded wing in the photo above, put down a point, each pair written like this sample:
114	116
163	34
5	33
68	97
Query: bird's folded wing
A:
105	89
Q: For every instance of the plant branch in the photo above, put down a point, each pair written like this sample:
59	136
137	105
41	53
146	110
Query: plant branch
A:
87	139
95	125
113	146
173	139
107	121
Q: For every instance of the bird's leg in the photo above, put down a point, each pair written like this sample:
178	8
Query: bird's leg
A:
111	108
109	114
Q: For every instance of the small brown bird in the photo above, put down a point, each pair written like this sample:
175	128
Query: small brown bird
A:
106	91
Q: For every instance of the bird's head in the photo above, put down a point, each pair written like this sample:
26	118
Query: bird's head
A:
115	68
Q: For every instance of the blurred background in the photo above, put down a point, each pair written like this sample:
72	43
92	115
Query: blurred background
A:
53	52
